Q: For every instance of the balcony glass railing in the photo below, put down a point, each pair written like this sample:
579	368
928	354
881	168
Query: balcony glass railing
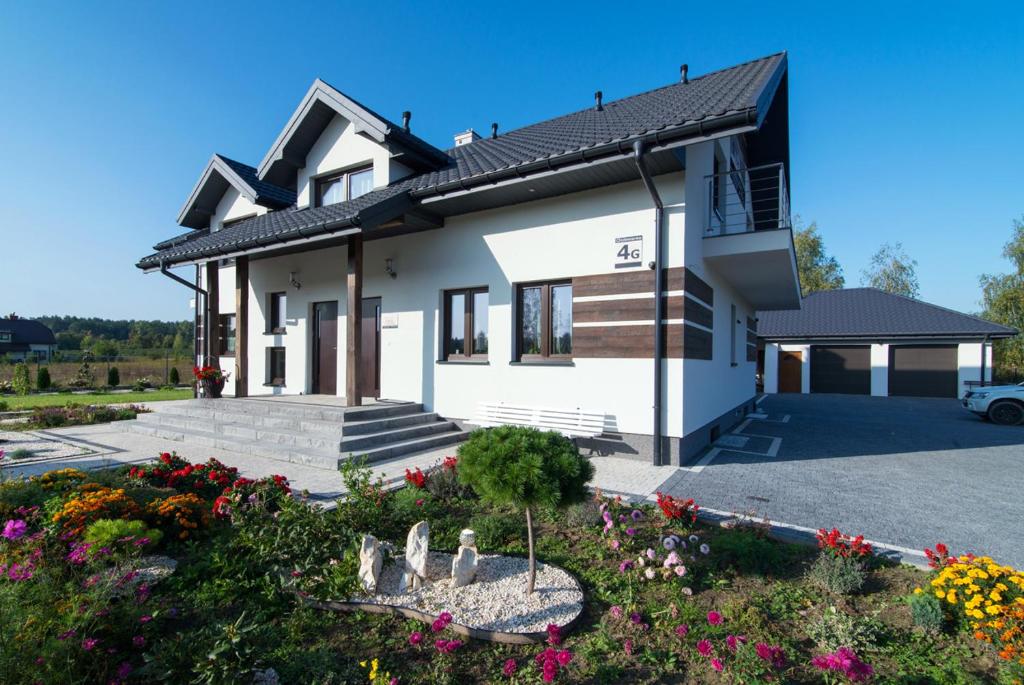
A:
748	199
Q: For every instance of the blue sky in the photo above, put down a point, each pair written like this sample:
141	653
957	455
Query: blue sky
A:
905	122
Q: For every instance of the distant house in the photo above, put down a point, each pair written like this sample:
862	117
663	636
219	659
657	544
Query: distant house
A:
868	342
23	339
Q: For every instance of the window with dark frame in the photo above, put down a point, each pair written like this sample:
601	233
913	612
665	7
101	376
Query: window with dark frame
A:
717	190
275	366
277	308
466	332
344	185
226	335
544	321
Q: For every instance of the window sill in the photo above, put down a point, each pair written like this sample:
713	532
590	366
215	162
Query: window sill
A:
558	362
227	354
464	362
733	364
279	331
274	385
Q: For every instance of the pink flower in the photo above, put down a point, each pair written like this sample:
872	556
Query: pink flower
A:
651	554
631	532
65	635
446	617
717	665
625	566
680	570
88	643
419	503
844	661
628	647
415	638
704	647
509	669
682	629
14	529
616	544
145	619
734	641
615	611
296	574
773	655
563	657
554	634
671	560
714	618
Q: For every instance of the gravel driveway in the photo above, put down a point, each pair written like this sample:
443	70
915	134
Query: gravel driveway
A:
905	471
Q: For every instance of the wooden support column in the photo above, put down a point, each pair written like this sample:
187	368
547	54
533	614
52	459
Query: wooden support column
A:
210	333
354	324
242	327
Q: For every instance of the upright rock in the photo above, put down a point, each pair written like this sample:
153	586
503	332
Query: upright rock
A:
370	560
416	552
465	562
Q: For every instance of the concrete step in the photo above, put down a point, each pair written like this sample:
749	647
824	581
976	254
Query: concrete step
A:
384	410
258	407
393	435
397	449
211	415
326	459
289	437
388	423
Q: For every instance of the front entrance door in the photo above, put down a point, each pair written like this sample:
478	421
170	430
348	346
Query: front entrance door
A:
325	348
790	371
371	347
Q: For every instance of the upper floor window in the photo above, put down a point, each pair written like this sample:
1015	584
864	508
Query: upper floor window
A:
345	185
544	320
276	320
466	330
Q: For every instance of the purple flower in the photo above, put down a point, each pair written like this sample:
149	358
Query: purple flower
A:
669	543
717	665
509	669
88	643
145	619
651	554
682	629
615	611
14	529
631	532
636	514
636	618
139	641
734	641
625	566
772	654
124	670
66	634
415	638
622	518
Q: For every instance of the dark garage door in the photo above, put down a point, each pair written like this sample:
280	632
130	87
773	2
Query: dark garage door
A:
841	368
923	370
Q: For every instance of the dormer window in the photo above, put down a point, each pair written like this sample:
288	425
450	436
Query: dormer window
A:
346	185
5	336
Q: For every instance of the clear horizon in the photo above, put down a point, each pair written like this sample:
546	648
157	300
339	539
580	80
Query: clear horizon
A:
904	126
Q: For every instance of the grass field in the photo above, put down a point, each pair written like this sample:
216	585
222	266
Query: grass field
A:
14	403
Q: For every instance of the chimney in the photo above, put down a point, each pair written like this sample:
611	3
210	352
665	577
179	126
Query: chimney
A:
597	101
682	73
406	116
466	137
494	130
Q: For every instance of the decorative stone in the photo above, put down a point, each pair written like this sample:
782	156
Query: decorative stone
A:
416	550
370	561
465	562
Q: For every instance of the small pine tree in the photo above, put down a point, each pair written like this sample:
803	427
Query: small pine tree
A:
113	377
173	377
21	383
43	378
526	468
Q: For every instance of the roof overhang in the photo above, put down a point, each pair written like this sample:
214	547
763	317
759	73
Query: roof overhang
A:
760	265
865	338
321	103
216	178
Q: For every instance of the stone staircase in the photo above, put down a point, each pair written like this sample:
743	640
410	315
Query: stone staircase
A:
299	432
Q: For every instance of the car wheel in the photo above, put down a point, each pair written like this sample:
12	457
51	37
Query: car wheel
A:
1006	413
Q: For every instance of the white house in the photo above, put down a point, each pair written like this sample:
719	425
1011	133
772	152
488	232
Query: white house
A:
865	341
358	260
26	340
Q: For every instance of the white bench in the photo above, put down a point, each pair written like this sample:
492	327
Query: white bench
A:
572	423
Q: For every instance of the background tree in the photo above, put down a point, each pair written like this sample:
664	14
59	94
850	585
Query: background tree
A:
893	271
43	381
20	382
525	468
1002	296
818	270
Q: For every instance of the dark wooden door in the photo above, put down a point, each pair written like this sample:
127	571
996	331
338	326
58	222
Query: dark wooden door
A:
325	348
371	347
790	371
923	370
841	368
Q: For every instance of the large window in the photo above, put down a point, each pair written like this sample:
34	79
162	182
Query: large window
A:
466	333
226	334
544	322
275	366
276	308
346	185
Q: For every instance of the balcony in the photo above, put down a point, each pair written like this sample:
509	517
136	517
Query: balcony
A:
748	237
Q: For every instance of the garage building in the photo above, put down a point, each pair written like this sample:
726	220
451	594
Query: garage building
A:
864	341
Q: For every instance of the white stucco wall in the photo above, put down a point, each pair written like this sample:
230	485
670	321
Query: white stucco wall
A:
969	364
879	369
340	147
233	206
771	368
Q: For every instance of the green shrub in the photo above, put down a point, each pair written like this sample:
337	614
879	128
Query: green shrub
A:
4	406
837	629
366	507
496	531
583	514
21	453
84	378
444	484
21	492
748	551
926	610
113	377
20	382
43	381
105	532
839	575
174	378
525	468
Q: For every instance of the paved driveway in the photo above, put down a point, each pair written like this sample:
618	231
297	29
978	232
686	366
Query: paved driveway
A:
905	471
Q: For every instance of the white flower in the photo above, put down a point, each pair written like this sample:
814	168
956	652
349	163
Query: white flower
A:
650	554
694	539
669	543
680	570
688	592
649	573
640	561
704	549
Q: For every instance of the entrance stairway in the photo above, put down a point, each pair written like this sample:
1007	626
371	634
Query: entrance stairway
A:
320	435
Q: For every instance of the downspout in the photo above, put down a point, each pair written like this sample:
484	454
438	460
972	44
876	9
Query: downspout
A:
984	356
639	151
199	291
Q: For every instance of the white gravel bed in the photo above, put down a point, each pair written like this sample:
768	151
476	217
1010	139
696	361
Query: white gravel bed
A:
496	600
43	449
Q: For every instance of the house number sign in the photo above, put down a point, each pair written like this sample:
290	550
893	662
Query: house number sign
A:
629	251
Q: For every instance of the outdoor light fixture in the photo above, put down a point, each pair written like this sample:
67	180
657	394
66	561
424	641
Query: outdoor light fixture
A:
389	267
293	280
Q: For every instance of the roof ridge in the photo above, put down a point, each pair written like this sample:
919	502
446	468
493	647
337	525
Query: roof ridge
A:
939	307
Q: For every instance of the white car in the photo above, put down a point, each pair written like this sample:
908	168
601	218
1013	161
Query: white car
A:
1002	404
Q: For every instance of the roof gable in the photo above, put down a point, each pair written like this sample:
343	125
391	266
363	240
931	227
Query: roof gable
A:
27	332
872	313
320	104
220	174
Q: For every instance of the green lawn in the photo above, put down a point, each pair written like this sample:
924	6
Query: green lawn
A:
15	403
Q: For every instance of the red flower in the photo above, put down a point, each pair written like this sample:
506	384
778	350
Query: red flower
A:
450	463
840	545
673	508
416	478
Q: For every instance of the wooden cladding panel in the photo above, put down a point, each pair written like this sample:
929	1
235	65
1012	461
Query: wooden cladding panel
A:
637	342
693	284
696	343
697	313
640	309
629	282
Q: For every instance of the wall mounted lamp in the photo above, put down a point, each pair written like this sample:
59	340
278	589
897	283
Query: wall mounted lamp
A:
389	267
